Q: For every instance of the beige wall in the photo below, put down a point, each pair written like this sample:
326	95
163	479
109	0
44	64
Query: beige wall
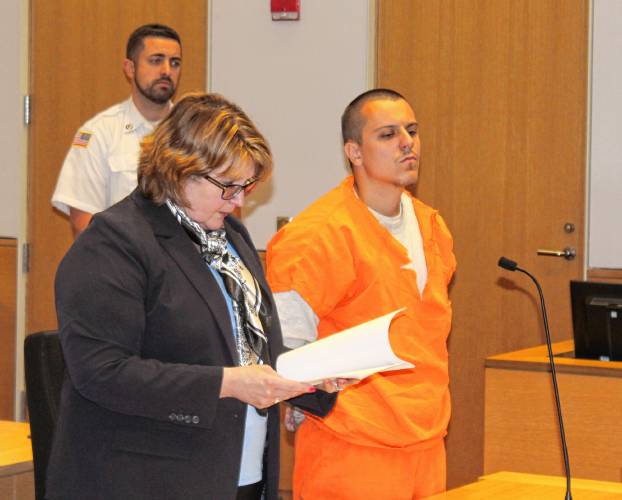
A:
12	130
294	78
605	235
13	170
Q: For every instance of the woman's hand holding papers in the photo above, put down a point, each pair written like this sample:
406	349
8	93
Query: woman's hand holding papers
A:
260	385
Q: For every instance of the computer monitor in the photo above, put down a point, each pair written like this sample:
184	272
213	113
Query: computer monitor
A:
597	320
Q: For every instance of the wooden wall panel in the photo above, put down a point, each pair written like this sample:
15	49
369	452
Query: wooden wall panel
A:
522	432
500	90
17	486
605	275
8	297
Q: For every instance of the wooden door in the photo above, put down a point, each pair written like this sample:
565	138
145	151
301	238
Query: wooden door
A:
500	90
77	48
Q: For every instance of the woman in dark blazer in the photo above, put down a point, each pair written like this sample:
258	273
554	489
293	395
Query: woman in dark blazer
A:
169	330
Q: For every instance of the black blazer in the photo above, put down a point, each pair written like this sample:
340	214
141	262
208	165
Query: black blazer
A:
145	333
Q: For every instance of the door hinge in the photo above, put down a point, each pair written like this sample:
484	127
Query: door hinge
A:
25	257
27	110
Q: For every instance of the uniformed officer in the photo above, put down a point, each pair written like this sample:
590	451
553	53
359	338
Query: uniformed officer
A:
100	167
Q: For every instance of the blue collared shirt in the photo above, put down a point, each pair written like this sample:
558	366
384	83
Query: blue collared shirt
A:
256	426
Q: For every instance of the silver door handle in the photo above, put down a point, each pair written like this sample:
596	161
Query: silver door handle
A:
567	253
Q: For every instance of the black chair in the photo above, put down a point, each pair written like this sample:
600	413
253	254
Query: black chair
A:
45	369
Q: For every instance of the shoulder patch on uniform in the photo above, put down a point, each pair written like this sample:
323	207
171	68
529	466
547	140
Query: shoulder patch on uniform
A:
82	139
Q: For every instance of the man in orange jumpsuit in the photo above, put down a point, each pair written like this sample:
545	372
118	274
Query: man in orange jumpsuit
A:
362	250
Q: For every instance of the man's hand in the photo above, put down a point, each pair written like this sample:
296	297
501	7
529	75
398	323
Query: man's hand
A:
294	416
79	220
337	384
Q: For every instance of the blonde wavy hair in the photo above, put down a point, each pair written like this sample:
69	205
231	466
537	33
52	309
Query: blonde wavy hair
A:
202	133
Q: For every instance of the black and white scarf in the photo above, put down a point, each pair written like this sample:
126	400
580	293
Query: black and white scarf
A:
240	284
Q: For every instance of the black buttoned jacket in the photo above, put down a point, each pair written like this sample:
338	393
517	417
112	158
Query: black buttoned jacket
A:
146	333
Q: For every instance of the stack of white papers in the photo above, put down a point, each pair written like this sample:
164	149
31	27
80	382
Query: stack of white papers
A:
355	353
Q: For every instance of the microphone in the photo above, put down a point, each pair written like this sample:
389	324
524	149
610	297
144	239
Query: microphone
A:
511	265
508	264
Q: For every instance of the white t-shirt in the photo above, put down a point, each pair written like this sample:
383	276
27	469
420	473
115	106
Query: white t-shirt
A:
100	167
405	228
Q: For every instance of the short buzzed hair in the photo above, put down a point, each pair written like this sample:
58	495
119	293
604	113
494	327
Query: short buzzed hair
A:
135	43
352	121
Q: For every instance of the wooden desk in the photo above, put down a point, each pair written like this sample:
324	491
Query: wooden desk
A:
16	472
521	431
517	486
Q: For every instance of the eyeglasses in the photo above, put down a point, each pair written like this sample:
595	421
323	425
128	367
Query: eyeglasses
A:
230	191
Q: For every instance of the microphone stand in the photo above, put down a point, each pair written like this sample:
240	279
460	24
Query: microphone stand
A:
512	266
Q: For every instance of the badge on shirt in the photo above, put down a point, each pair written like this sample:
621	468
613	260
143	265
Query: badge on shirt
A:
82	139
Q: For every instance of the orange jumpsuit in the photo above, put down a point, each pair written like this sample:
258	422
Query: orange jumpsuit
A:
384	437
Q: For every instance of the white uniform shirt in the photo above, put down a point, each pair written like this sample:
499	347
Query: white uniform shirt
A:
100	167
